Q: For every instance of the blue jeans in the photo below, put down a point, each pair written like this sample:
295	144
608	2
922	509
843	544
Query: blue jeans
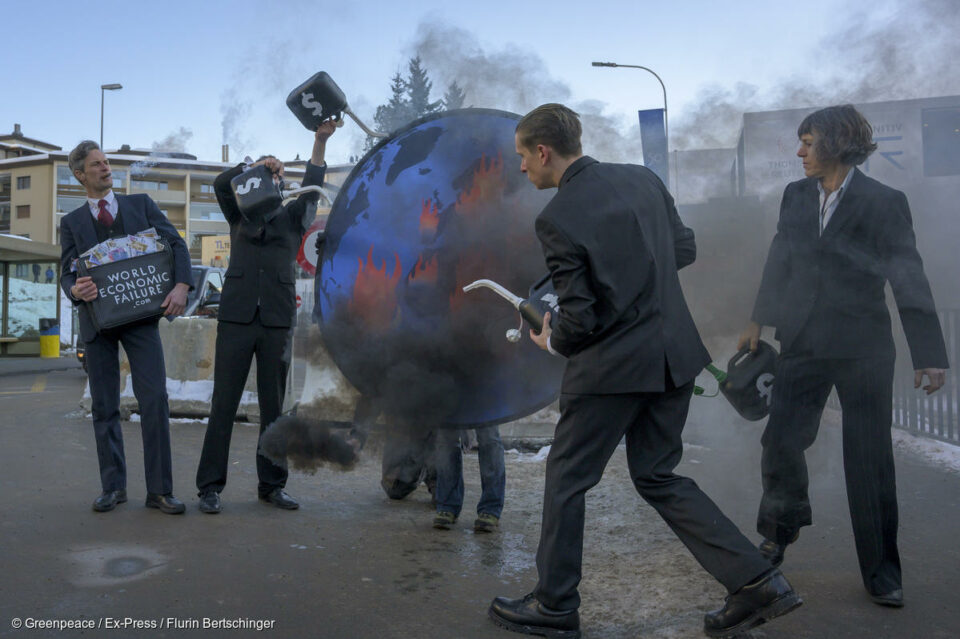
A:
493	475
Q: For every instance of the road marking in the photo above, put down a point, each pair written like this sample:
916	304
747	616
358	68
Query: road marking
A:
39	384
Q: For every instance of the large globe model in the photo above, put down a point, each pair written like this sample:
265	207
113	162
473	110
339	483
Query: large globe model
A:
437	205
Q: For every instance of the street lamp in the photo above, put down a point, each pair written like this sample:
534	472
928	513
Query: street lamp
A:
105	87
666	130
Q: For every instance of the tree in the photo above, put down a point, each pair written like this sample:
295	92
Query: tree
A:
409	100
418	90
396	112
454	97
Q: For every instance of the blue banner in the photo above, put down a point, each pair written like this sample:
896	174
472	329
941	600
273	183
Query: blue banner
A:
653	140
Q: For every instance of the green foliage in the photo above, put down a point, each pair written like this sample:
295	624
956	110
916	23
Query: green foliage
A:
454	97
410	99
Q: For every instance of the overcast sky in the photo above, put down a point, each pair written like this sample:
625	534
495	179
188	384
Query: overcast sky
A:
197	74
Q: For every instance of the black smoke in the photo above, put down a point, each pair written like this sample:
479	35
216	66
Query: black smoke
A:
306	444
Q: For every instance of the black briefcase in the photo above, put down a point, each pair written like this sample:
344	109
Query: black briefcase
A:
130	290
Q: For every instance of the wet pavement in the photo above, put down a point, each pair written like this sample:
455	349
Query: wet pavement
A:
351	563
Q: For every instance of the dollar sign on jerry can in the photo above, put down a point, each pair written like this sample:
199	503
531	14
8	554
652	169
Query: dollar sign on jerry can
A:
256	193
316	100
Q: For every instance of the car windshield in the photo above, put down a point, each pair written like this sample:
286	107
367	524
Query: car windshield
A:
196	274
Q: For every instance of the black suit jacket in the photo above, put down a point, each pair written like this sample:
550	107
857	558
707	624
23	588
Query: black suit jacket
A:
826	294
262	257
613	243
138	213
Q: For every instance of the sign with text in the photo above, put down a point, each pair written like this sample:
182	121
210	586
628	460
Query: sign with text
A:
130	290
215	250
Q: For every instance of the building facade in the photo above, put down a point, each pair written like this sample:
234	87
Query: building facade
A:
37	188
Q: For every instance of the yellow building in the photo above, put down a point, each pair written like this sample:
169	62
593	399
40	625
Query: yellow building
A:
37	189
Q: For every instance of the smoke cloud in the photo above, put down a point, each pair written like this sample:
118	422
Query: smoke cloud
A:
306	444
515	79
912	55
175	142
267	70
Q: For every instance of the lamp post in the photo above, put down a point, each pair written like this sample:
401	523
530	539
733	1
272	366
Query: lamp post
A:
666	130
105	87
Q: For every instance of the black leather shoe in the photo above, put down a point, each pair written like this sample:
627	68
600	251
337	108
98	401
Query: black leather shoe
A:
280	499
759	601
109	500
165	503
210	502
530	617
773	552
892	599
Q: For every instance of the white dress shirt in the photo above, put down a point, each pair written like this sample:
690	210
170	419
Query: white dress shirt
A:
828	203
112	205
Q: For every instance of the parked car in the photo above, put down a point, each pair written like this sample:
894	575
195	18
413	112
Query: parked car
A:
204	299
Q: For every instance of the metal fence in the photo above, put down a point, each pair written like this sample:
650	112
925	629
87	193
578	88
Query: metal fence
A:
936	415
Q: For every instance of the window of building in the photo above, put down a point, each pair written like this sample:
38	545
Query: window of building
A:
119	179
23	182
941	141
23	211
206	211
206	187
67	204
65	176
149	185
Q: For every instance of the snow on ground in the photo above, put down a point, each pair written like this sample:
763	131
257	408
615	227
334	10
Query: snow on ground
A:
539	456
934	451
29	301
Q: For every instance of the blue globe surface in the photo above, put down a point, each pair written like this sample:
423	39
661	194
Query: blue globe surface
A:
437	205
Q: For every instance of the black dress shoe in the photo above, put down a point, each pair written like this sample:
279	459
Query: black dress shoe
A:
530	617
759	601
109	500
280	499
892	599
165	503
773	552
210	502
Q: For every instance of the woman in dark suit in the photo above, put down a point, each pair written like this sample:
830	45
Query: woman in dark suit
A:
841	237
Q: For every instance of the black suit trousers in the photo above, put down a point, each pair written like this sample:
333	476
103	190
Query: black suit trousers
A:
141	342
589	430
237	344
865	389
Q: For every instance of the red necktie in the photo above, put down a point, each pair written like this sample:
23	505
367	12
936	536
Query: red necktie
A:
104	216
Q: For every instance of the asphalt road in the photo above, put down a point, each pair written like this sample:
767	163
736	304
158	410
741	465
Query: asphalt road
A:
351	563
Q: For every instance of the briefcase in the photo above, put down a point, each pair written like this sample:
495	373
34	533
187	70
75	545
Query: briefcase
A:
130	290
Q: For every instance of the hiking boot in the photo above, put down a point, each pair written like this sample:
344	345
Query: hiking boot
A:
486	523
444	520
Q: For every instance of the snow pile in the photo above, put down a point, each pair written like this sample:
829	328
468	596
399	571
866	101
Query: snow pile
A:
29	301
933	450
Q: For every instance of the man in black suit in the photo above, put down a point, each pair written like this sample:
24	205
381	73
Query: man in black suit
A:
256	317
613	242
103	216
841	237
